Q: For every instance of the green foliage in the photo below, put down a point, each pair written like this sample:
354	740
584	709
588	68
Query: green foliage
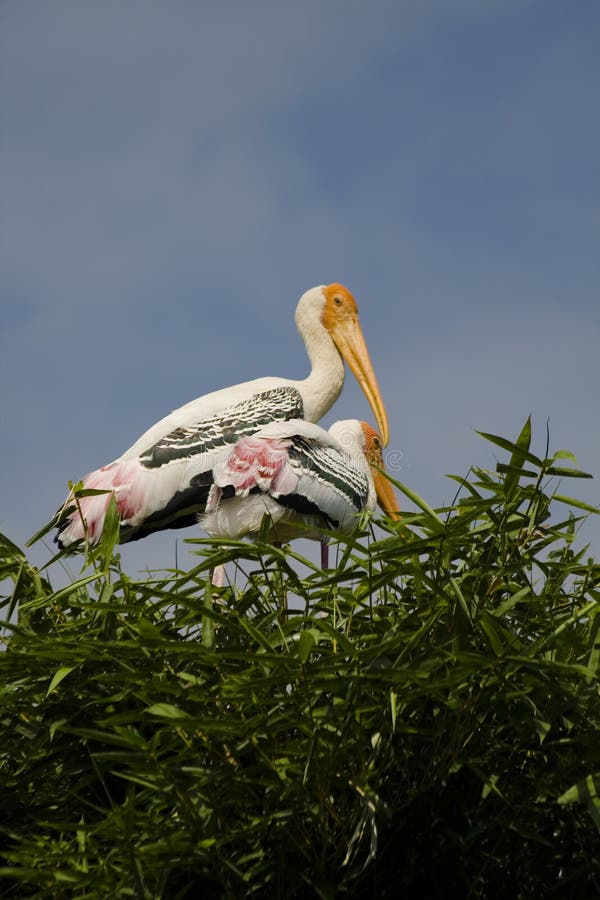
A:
421	720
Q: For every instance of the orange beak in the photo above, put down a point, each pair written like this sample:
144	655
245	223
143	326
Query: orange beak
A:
386	496
340	318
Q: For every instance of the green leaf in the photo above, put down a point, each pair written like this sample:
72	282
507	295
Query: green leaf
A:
491	786
8	549
563	454
306	642
584	790
148	630
207	623
58	677
594	639
492	631
516	471
567	473
48	527
418	501
167	711
520	453
393	708
579	504
110	532
520	450
203	741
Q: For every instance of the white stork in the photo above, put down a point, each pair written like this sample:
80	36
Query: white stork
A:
303	479
164	479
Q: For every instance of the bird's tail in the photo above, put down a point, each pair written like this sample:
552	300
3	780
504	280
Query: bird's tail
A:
81	518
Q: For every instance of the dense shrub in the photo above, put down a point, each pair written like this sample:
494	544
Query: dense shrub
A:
420	720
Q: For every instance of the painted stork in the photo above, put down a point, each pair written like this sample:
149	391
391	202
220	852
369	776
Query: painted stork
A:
305	480
163	480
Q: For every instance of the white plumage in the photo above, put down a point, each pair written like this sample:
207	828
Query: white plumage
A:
164	479
305	480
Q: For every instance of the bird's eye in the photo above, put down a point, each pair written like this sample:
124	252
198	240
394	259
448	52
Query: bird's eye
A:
337	300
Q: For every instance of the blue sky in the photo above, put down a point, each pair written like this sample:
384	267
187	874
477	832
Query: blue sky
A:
174	175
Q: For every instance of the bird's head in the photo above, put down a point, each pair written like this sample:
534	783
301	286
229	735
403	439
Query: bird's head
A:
373	450
363	443
333	308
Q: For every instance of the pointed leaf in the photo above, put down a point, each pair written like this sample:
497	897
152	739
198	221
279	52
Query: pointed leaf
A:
584	790
110	531
563	454
306	643
571	501
167	711
58	677
567	473
513	448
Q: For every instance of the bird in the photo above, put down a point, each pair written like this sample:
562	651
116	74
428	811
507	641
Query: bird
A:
163	480
294	479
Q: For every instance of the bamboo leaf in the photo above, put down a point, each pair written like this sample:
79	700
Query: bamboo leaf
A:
520	450
306	642
167	711
563	472
58	676
579	504
584	790
434	686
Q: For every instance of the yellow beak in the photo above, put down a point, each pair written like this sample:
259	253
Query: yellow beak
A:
348	338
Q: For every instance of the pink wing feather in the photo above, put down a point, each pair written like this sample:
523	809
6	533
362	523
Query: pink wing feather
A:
254	462
118	478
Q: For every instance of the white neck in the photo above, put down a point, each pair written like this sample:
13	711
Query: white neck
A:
326	380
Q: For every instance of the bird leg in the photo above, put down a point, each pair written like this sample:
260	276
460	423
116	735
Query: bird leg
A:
324	554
